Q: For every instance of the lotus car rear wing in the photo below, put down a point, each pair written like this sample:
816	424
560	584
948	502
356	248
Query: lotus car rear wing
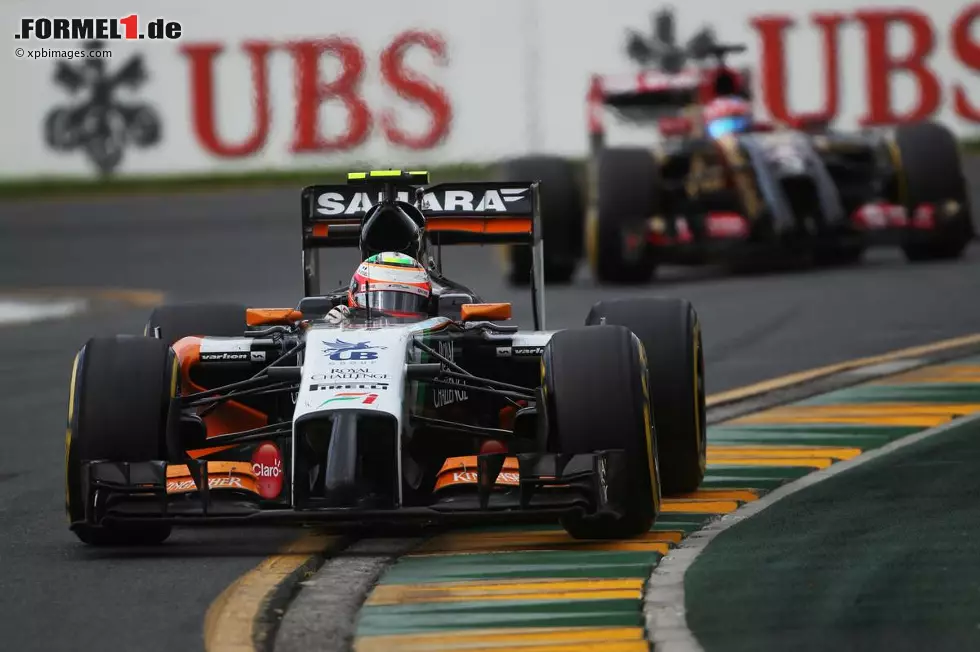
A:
482	212
654	96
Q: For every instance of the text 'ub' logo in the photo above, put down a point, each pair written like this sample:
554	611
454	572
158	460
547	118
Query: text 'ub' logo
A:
341	350
96	120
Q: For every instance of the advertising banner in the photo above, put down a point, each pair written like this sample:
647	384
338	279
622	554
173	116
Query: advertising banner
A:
132	87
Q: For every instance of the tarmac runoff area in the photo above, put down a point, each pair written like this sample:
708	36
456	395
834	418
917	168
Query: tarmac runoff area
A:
26	306
21	311
533	588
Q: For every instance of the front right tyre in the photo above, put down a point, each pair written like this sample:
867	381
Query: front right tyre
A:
930	172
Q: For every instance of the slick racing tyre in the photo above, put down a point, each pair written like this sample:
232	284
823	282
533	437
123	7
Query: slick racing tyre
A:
671	334
930	172
181	320
562	218
596	399
628	194
120	409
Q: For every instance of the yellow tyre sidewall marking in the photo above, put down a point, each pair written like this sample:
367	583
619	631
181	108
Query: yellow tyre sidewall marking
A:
702	453
68	432
896	156
174	376
592	237
652	459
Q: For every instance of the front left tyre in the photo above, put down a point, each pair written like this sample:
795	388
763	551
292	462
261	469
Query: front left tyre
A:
597	399
120	409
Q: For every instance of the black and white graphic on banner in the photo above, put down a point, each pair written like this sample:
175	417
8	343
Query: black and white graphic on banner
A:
96	121
443	397
662	50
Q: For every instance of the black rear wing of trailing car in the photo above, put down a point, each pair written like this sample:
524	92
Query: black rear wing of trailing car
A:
480	212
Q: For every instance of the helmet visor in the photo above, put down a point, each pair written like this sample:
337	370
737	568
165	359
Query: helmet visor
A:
728	125
393	302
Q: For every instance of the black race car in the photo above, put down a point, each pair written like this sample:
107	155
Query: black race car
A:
757	198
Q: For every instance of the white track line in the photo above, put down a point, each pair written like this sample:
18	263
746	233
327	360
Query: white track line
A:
23	311
666	620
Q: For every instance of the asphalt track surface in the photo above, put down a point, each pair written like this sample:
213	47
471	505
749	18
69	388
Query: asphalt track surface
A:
56	594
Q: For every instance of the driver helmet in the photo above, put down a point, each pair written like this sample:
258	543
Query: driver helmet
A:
392	283
727	115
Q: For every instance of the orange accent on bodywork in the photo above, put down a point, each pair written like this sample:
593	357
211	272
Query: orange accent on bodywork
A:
496	225
201	452
272	316
230	416
221	475
321	230
458	471
485	311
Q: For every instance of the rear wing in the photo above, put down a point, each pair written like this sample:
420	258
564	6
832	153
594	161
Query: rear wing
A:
652	96
481	212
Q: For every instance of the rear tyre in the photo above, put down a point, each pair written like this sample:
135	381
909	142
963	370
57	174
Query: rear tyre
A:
120	409
628	194
181	320
562	218
671	334
596	399
930	172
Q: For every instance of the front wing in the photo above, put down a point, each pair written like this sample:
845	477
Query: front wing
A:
549	485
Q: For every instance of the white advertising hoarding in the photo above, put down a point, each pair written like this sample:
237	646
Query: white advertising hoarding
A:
299	84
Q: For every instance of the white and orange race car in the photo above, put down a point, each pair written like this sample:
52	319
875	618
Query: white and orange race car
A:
222	414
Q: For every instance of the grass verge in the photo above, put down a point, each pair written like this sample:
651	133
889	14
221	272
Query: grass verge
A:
73	187
62	187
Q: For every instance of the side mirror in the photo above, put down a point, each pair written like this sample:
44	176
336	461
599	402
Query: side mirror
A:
485	311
